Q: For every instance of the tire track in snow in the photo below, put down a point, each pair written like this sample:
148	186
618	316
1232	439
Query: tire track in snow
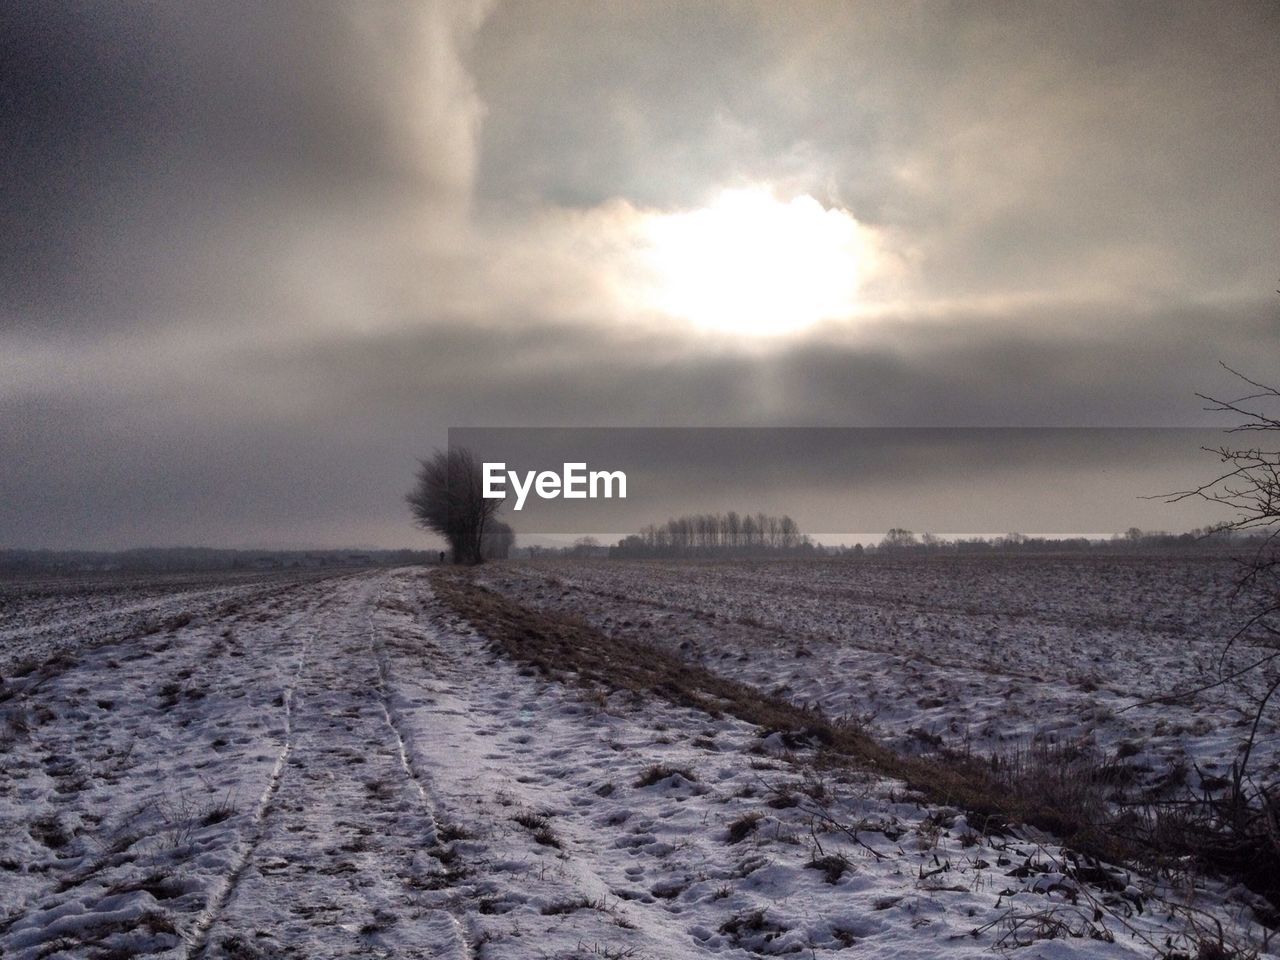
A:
343	860
197	937
395	723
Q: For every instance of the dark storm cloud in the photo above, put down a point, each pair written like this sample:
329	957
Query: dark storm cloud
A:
256	258
1078	369
141	474
156	156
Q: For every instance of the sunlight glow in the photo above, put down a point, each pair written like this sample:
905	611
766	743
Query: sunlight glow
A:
752	264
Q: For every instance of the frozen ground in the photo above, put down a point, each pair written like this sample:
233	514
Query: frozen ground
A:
982	654
42	618
341	768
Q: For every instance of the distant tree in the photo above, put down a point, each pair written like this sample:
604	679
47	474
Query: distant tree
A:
898	539
497	541
448	499
732	529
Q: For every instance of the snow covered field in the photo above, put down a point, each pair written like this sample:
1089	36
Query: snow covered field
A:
43	617
982	654
341	767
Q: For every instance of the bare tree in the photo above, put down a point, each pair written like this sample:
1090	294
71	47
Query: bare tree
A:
449	500
1248	484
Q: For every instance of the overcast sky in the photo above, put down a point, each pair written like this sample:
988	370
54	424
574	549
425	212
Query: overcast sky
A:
256	258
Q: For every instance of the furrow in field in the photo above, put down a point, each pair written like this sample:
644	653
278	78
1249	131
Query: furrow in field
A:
197	937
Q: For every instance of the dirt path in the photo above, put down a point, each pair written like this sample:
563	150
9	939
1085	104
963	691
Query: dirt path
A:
340	863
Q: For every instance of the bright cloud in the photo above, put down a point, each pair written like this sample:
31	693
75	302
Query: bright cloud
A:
750	263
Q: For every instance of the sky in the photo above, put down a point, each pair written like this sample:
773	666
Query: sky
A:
255	259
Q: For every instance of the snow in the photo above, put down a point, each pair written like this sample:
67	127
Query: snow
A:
340	767
985	655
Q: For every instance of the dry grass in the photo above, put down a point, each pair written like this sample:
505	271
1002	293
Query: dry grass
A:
744	826
833	866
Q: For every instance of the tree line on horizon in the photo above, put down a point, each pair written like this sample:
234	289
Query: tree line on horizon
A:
716	534
900	540
666	540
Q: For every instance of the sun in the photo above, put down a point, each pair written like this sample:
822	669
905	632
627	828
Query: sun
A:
751	264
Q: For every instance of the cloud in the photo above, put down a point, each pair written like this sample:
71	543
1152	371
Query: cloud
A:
314	441
254	259
1011	148
166	163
